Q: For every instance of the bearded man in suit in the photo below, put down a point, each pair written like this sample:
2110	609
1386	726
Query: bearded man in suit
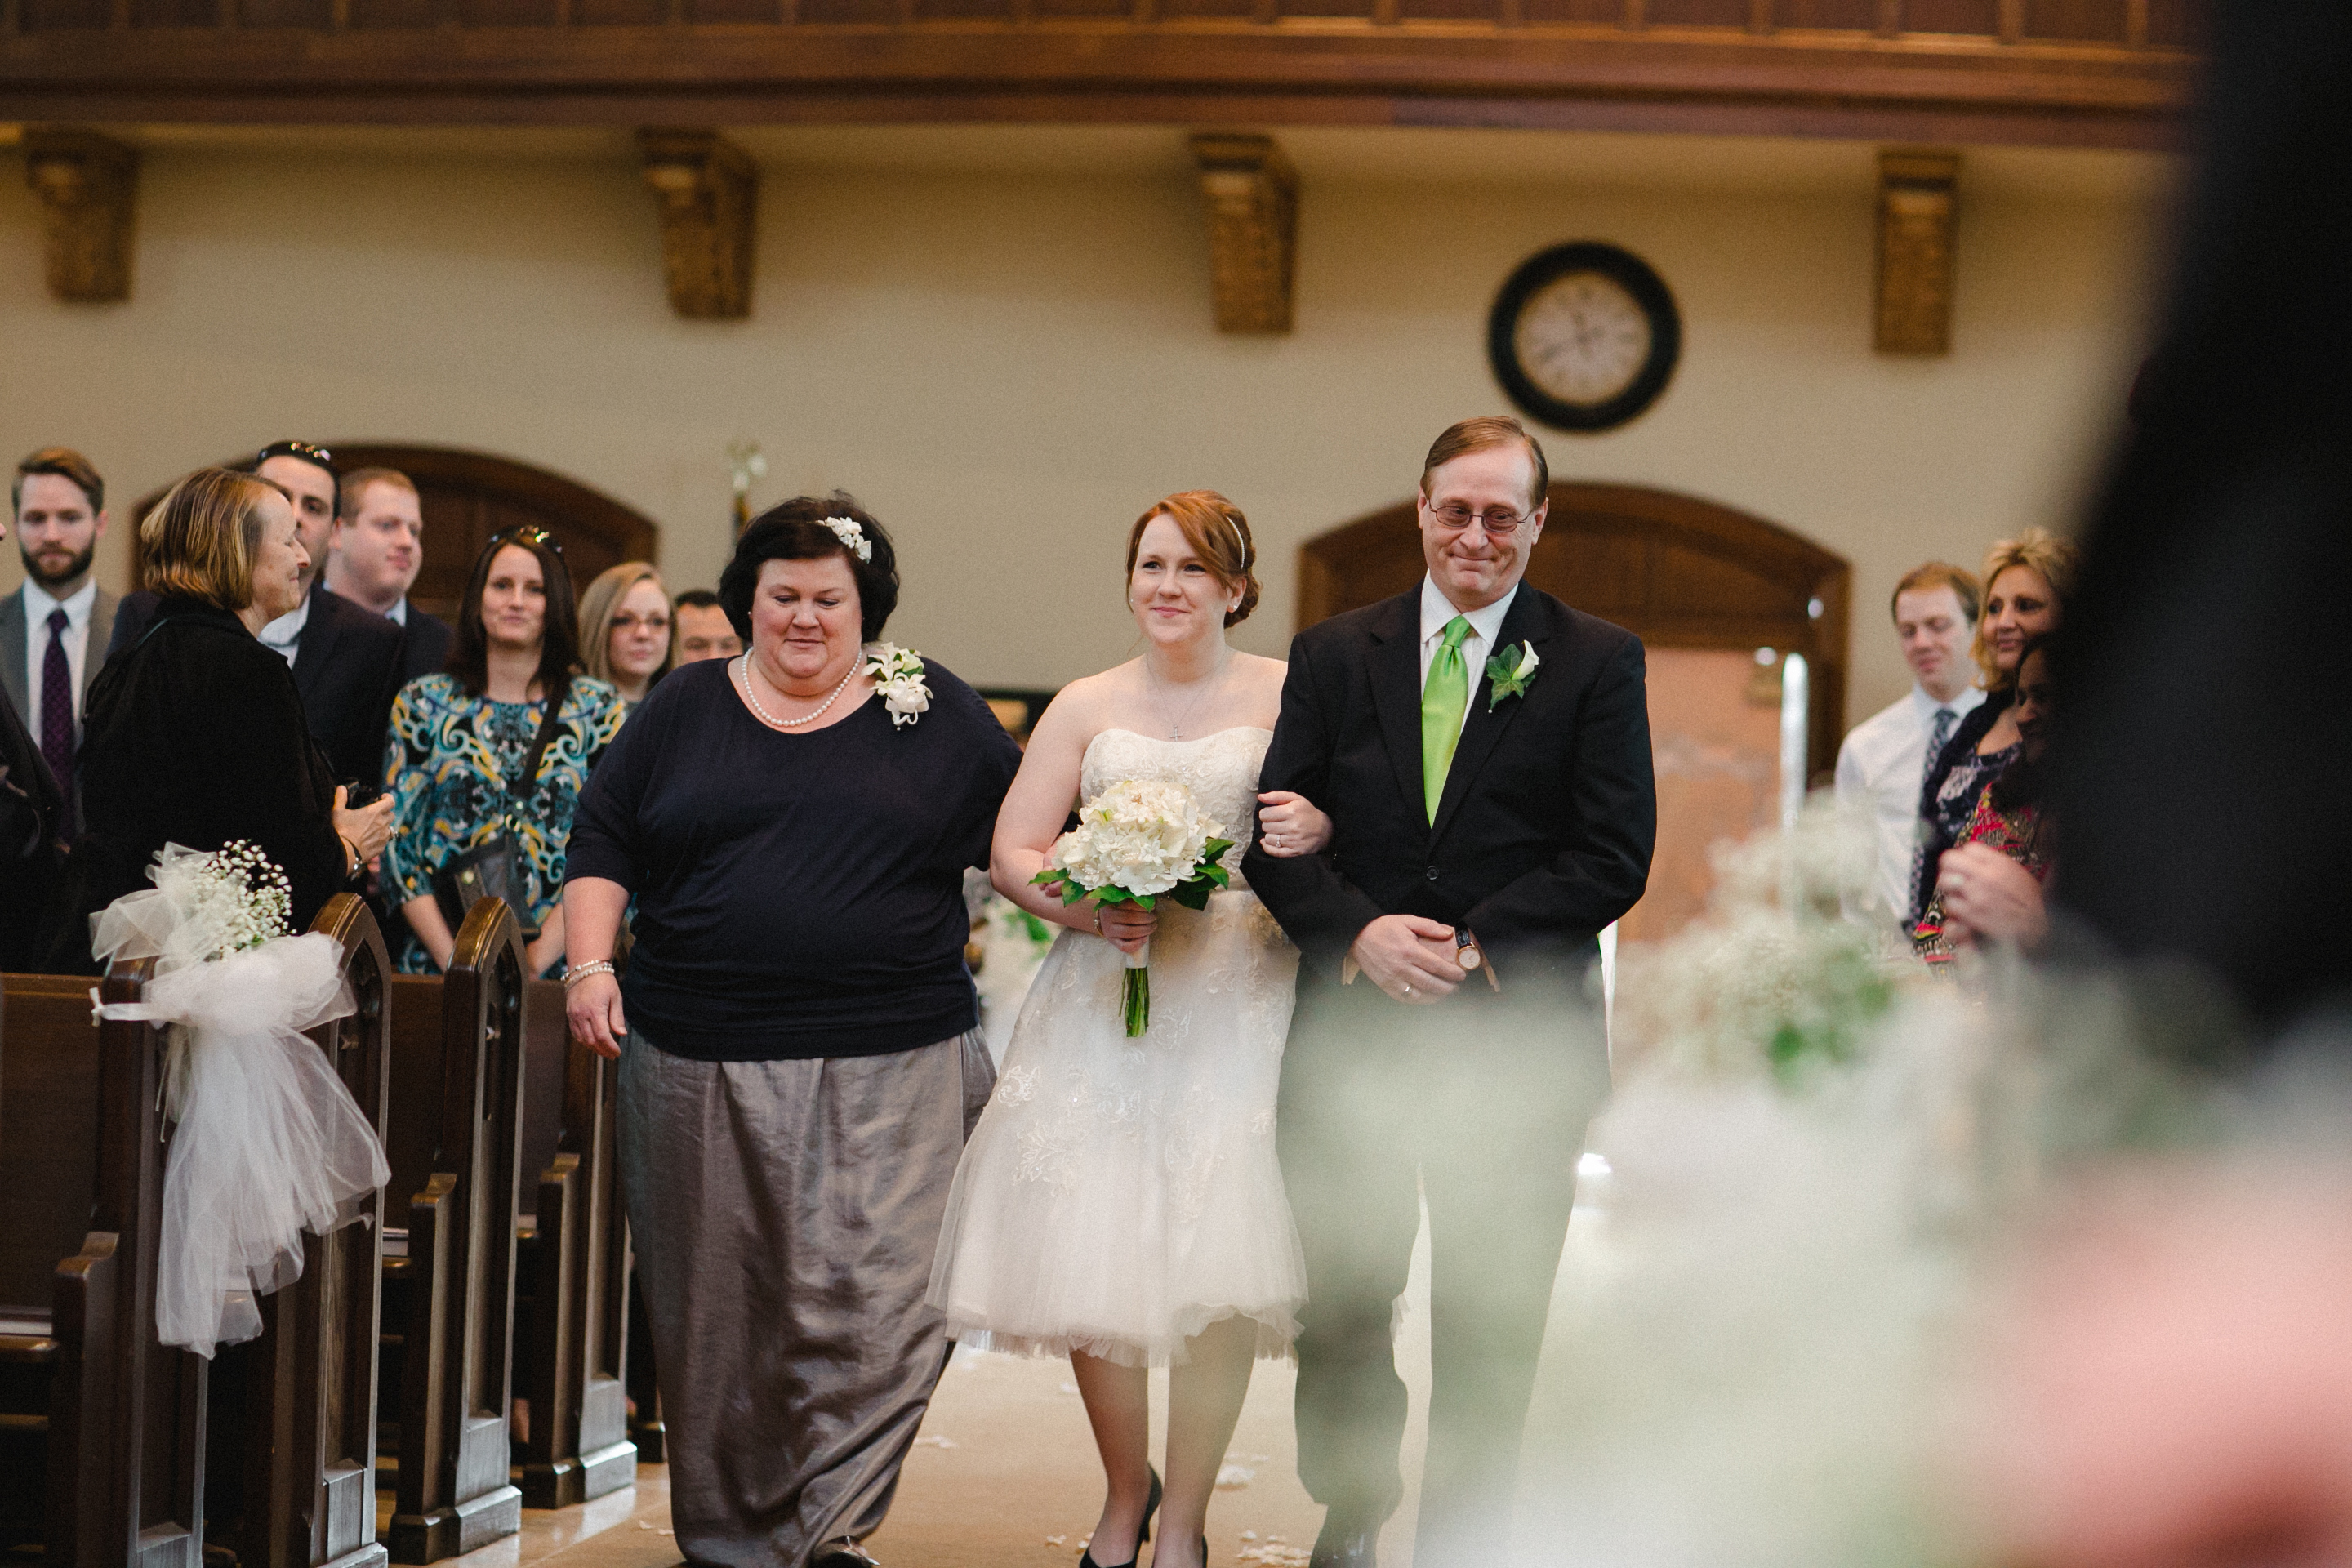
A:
1484	754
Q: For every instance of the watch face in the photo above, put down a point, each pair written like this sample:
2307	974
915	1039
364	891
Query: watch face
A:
1582	338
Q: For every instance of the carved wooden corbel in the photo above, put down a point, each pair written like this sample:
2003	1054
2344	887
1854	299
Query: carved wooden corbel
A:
88	184
1252	197
708	189
1917	194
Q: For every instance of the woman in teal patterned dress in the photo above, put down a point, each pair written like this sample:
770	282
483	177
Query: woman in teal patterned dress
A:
460	742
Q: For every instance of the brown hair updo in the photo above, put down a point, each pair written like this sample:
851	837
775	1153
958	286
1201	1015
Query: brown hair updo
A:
1218	533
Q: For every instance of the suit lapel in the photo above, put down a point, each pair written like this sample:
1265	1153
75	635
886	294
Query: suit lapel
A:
1525	622
318	642
102	633
1395	666
13	669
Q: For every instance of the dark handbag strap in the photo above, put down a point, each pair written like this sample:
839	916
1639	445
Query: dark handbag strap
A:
520	787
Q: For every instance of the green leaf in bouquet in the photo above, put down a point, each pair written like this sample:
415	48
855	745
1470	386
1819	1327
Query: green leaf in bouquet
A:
1193	894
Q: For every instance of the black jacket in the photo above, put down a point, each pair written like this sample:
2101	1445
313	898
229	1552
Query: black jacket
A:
426	649
348	668
1544	834
31	809
195	737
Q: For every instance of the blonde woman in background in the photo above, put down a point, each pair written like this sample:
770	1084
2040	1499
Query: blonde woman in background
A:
624	629
2027	581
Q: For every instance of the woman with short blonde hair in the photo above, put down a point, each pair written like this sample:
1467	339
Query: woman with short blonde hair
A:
195	734
625	628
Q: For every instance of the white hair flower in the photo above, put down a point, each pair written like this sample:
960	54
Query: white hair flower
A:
845	528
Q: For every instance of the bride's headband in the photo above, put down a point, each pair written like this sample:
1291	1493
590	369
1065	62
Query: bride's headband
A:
845	528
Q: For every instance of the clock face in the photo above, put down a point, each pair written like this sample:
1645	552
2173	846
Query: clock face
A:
1584	336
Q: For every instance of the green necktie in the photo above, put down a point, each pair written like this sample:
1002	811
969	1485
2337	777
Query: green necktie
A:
1442	702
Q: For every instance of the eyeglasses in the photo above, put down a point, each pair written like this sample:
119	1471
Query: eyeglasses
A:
305	450
1454	517
529	534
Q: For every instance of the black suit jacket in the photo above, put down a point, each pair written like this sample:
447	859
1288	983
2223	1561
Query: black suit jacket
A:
32	810
426	651
348	668
195	737
1544	833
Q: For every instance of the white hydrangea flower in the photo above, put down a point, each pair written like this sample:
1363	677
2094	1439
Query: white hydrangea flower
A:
1144	835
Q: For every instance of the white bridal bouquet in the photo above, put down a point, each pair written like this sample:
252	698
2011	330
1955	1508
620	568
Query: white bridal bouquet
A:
1138	841
270	1142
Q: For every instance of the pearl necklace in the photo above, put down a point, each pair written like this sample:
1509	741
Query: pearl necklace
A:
743	672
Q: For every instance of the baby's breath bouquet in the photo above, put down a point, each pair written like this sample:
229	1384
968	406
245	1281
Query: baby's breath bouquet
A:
1137	842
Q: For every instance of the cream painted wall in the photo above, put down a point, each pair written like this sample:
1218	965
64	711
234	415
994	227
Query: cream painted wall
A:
1000	342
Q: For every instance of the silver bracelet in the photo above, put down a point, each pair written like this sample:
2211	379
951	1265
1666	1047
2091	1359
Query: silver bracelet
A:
602	966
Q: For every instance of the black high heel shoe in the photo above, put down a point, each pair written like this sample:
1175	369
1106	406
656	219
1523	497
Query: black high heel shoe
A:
1086	1558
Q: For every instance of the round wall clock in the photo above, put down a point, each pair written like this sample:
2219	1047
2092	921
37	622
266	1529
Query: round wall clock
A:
1584	336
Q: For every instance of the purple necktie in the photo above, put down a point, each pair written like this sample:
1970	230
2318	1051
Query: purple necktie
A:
56	712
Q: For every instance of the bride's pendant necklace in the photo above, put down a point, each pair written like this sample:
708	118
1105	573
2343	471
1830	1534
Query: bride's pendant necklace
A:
743	672
1160	696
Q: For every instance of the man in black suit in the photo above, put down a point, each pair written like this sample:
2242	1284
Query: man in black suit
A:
373	553
1484	754
346	659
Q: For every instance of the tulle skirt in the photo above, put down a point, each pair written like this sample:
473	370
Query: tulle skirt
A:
1120	1196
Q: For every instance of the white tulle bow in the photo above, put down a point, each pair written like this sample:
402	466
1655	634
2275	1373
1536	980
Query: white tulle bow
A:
269	1144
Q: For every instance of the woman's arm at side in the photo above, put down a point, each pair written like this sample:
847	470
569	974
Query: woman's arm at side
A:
591	915
1038	805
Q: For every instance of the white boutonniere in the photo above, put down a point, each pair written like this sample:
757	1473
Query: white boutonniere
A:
1508	673
898	674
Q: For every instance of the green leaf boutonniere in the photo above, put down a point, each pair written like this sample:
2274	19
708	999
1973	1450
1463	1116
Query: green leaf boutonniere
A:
1508	672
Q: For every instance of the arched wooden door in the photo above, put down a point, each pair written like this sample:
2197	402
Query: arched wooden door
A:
469	496
1705	586
1676	571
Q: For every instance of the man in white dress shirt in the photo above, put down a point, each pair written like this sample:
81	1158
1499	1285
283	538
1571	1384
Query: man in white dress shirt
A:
1883	763
54	629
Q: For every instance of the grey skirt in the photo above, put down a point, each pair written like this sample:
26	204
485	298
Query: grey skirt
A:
784	1217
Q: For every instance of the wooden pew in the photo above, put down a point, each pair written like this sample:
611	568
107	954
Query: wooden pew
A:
455	1150
571	1360
121	1445
302	1494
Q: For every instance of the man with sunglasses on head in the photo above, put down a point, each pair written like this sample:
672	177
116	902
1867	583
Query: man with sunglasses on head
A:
347	660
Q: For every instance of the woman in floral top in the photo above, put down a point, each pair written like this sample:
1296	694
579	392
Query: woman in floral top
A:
460	742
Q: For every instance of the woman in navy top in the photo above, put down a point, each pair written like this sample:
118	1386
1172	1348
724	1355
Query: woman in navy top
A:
800	1053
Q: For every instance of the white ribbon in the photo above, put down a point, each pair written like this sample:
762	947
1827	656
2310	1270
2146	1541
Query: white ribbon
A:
269	1144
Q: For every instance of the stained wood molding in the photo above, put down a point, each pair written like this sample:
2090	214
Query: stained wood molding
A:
88	188
1918	197
1252	197
721	62
708	190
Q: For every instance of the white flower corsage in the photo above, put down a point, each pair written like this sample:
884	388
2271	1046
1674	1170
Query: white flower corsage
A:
898	674
1507	676
845	528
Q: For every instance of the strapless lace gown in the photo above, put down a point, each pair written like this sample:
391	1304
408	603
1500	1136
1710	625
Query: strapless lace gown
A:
1120	1195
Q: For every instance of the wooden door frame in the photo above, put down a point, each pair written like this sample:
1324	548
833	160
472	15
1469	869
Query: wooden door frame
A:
1385	545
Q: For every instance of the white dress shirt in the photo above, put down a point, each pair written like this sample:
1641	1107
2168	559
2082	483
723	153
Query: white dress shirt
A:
398	613
283	637
1437	613
1880	769
38	607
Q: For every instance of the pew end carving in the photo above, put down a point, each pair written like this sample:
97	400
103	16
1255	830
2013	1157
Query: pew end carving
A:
457	1325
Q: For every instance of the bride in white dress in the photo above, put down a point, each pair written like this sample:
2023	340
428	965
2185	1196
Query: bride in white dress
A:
1121	1202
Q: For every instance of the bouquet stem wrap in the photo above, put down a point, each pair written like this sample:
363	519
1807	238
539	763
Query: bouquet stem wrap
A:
270	1143
1135	1000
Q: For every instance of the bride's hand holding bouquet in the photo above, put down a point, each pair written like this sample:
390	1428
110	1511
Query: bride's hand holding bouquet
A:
1138	841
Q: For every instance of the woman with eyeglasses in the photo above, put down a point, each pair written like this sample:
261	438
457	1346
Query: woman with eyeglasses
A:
486	761
624	629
